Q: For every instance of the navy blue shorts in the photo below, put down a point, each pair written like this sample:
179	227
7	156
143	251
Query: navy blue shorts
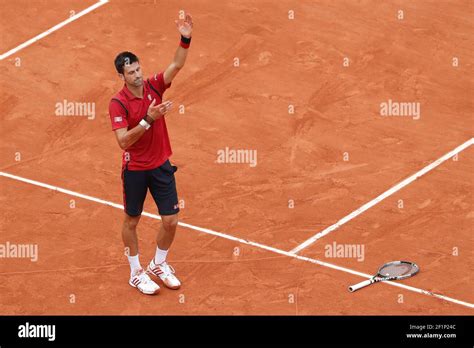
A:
161	183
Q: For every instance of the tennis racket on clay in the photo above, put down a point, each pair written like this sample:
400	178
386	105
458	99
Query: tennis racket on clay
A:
395	270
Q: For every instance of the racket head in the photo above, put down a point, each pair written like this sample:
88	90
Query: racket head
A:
396	270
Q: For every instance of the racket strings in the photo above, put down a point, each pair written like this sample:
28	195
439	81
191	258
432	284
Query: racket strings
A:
397	270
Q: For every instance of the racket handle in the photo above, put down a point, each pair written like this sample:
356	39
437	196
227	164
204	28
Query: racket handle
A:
360	285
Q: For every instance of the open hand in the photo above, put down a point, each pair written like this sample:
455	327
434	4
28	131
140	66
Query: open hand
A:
185	27
156	111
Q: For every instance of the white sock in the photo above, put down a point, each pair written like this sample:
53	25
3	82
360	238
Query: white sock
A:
160	256
134	263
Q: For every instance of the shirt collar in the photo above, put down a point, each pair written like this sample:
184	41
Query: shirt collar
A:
130	95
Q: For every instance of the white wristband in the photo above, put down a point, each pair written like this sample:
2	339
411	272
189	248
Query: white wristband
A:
144	124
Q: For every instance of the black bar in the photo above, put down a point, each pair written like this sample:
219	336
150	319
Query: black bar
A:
225	330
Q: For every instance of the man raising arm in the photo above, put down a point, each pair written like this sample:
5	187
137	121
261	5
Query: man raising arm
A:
185	28
137	114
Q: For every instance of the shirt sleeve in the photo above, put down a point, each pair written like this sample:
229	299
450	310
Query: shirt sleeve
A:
117	114
158	82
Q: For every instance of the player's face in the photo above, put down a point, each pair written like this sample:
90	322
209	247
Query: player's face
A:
132	74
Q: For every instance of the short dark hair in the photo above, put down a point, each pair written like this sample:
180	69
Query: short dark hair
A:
124	58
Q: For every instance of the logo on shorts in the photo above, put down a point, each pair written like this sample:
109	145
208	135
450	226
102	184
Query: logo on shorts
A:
176	206
118	119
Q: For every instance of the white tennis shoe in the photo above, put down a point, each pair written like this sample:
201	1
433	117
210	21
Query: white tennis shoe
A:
143	282
166	273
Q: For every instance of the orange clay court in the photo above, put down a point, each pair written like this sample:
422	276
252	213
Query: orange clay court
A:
306	95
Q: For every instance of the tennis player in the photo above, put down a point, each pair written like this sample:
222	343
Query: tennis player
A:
137	115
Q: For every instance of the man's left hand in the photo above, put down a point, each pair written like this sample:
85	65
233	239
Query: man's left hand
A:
185	27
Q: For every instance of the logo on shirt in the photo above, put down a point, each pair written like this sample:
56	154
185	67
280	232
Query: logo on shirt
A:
149	97
118	119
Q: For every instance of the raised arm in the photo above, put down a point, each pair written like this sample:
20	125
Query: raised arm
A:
185	28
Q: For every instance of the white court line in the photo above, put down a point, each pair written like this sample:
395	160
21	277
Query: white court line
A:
53	29
381	197
240	240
